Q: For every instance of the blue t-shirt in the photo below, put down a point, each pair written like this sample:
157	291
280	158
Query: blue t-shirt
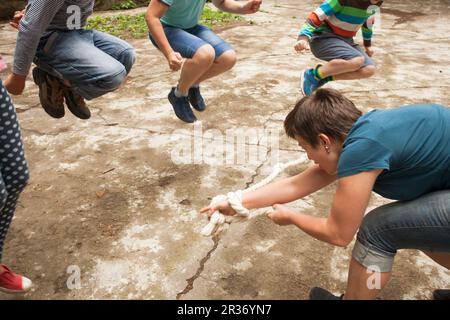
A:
183	14
411	144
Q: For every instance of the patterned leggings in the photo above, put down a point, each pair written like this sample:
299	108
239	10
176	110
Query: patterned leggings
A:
13	166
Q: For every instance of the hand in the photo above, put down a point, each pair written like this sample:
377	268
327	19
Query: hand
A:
223	207
15	21
302	44
175	61
369	51
281	215
251	6
15	84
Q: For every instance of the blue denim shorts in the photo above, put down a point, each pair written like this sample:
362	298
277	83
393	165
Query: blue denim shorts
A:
329	46
188	41
422	223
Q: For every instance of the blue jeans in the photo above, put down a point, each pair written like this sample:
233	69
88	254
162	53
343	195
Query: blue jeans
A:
422	223
94	63
188	41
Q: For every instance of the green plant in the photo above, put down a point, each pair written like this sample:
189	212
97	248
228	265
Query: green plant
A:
134	26
123	5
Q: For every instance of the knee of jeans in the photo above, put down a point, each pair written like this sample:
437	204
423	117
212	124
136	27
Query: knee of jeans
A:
113	80
128	58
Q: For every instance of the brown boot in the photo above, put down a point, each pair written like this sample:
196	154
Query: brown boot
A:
76	104
50	93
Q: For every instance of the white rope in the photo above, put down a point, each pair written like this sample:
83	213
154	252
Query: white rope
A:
220	222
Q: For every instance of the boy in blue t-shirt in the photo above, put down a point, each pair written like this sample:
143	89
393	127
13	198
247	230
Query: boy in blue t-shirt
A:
401	154
175	31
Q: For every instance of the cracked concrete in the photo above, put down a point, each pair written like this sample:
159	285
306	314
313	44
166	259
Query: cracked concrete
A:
106	197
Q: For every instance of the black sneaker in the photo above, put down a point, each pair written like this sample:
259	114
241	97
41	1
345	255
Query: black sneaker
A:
76	104
441	294
181	107
51	93
196	99
322	294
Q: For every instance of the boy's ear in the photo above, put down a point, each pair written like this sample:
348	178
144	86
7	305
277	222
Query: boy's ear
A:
324	139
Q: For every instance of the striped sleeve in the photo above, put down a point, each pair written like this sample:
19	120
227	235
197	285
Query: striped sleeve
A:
367	31
38	16
316	18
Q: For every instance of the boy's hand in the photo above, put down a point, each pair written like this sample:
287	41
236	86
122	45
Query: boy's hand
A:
15	21
251	6
15	84
223	207
175	61
369	51
302	44
281	215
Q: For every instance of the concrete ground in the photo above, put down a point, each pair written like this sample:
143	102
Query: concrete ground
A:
110	198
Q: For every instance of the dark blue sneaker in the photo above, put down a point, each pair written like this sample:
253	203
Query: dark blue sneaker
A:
181	107
441	294
317	293
308	83
196	99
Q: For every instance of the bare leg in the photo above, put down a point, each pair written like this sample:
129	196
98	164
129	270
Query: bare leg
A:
194	68
225	62
362	73
363	284
440	257
338	66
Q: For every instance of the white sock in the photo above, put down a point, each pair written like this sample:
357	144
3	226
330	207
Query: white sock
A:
179	94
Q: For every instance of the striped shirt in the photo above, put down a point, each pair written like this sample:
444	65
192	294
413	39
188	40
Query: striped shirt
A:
342	17
41	18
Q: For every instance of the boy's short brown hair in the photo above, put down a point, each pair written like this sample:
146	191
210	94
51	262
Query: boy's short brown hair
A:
326	111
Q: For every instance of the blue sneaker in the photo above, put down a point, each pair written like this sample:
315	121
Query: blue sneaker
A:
317	293
181	107
308	83
196	99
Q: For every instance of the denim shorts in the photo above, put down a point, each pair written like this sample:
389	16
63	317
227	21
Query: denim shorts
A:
188	41
329	46
422	223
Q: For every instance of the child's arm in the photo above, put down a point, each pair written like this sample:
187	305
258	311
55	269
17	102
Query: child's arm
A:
232	6
155	11
367	33
32	26
283	191
314	20
349	204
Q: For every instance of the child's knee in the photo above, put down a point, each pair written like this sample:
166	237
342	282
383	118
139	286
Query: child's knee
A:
128	58
228	59
368	71
113	79
357	63
205	54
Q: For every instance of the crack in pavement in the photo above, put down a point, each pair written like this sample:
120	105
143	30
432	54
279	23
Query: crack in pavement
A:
190	281
216	239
